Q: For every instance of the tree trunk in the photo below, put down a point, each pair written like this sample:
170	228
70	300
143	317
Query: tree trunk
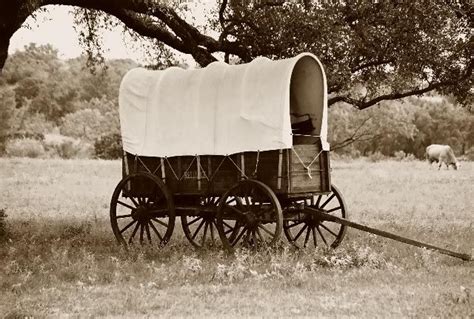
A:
12	16
4	44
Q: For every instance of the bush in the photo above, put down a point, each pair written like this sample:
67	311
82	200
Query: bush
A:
376	157
108	146
25	147
400	155
67	147
469	155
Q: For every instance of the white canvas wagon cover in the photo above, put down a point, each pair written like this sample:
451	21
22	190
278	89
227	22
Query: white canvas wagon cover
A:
221	109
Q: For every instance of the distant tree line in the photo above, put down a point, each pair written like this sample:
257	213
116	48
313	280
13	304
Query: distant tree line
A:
405	126
42	95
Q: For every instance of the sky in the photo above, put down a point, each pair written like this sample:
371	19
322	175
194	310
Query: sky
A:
56	27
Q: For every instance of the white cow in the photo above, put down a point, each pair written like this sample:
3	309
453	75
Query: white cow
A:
441	154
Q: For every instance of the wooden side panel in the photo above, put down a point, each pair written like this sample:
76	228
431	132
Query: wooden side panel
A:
283	171
223	173
307	169
267	171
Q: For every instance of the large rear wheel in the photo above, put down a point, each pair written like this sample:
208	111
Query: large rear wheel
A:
249	215
142	211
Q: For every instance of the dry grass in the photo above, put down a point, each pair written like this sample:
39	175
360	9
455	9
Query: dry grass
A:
59	258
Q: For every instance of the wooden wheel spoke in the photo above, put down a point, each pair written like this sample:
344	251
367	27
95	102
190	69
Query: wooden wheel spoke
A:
160	222
329	230
230	200
126	205
133	233
148	235
155	230
246	238
204	234
300	232
295	224
266	230
260	235
236	240
123	216
315	241
134	201
322	236
230	230
198	229
228	226
327	201
254	237
141	232
318	201
333	209
247	200
128	226
212	225
306	239
194	220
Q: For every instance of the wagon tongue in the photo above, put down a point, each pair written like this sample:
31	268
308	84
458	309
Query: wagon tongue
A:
321	215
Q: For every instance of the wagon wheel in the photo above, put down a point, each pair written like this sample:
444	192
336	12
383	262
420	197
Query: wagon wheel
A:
142	210
200	229
249	214
310	230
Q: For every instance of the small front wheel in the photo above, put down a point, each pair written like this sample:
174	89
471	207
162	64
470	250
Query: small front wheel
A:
142	210
310	230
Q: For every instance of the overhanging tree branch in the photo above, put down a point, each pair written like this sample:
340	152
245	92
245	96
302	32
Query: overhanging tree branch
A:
363	104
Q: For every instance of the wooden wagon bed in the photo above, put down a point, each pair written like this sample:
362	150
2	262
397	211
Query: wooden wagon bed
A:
295	172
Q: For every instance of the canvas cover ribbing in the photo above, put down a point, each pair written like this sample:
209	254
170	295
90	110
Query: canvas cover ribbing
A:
221	109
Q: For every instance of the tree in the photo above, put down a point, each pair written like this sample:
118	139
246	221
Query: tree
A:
392	49
7	108
95	118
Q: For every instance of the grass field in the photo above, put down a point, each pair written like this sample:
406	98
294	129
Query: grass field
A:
59	258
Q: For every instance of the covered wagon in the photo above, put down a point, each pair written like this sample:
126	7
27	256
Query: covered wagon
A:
238	152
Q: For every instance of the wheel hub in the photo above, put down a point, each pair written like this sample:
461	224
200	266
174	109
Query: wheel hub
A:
250	220
140	213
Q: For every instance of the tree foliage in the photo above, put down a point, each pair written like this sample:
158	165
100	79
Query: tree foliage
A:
389	49
408	126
